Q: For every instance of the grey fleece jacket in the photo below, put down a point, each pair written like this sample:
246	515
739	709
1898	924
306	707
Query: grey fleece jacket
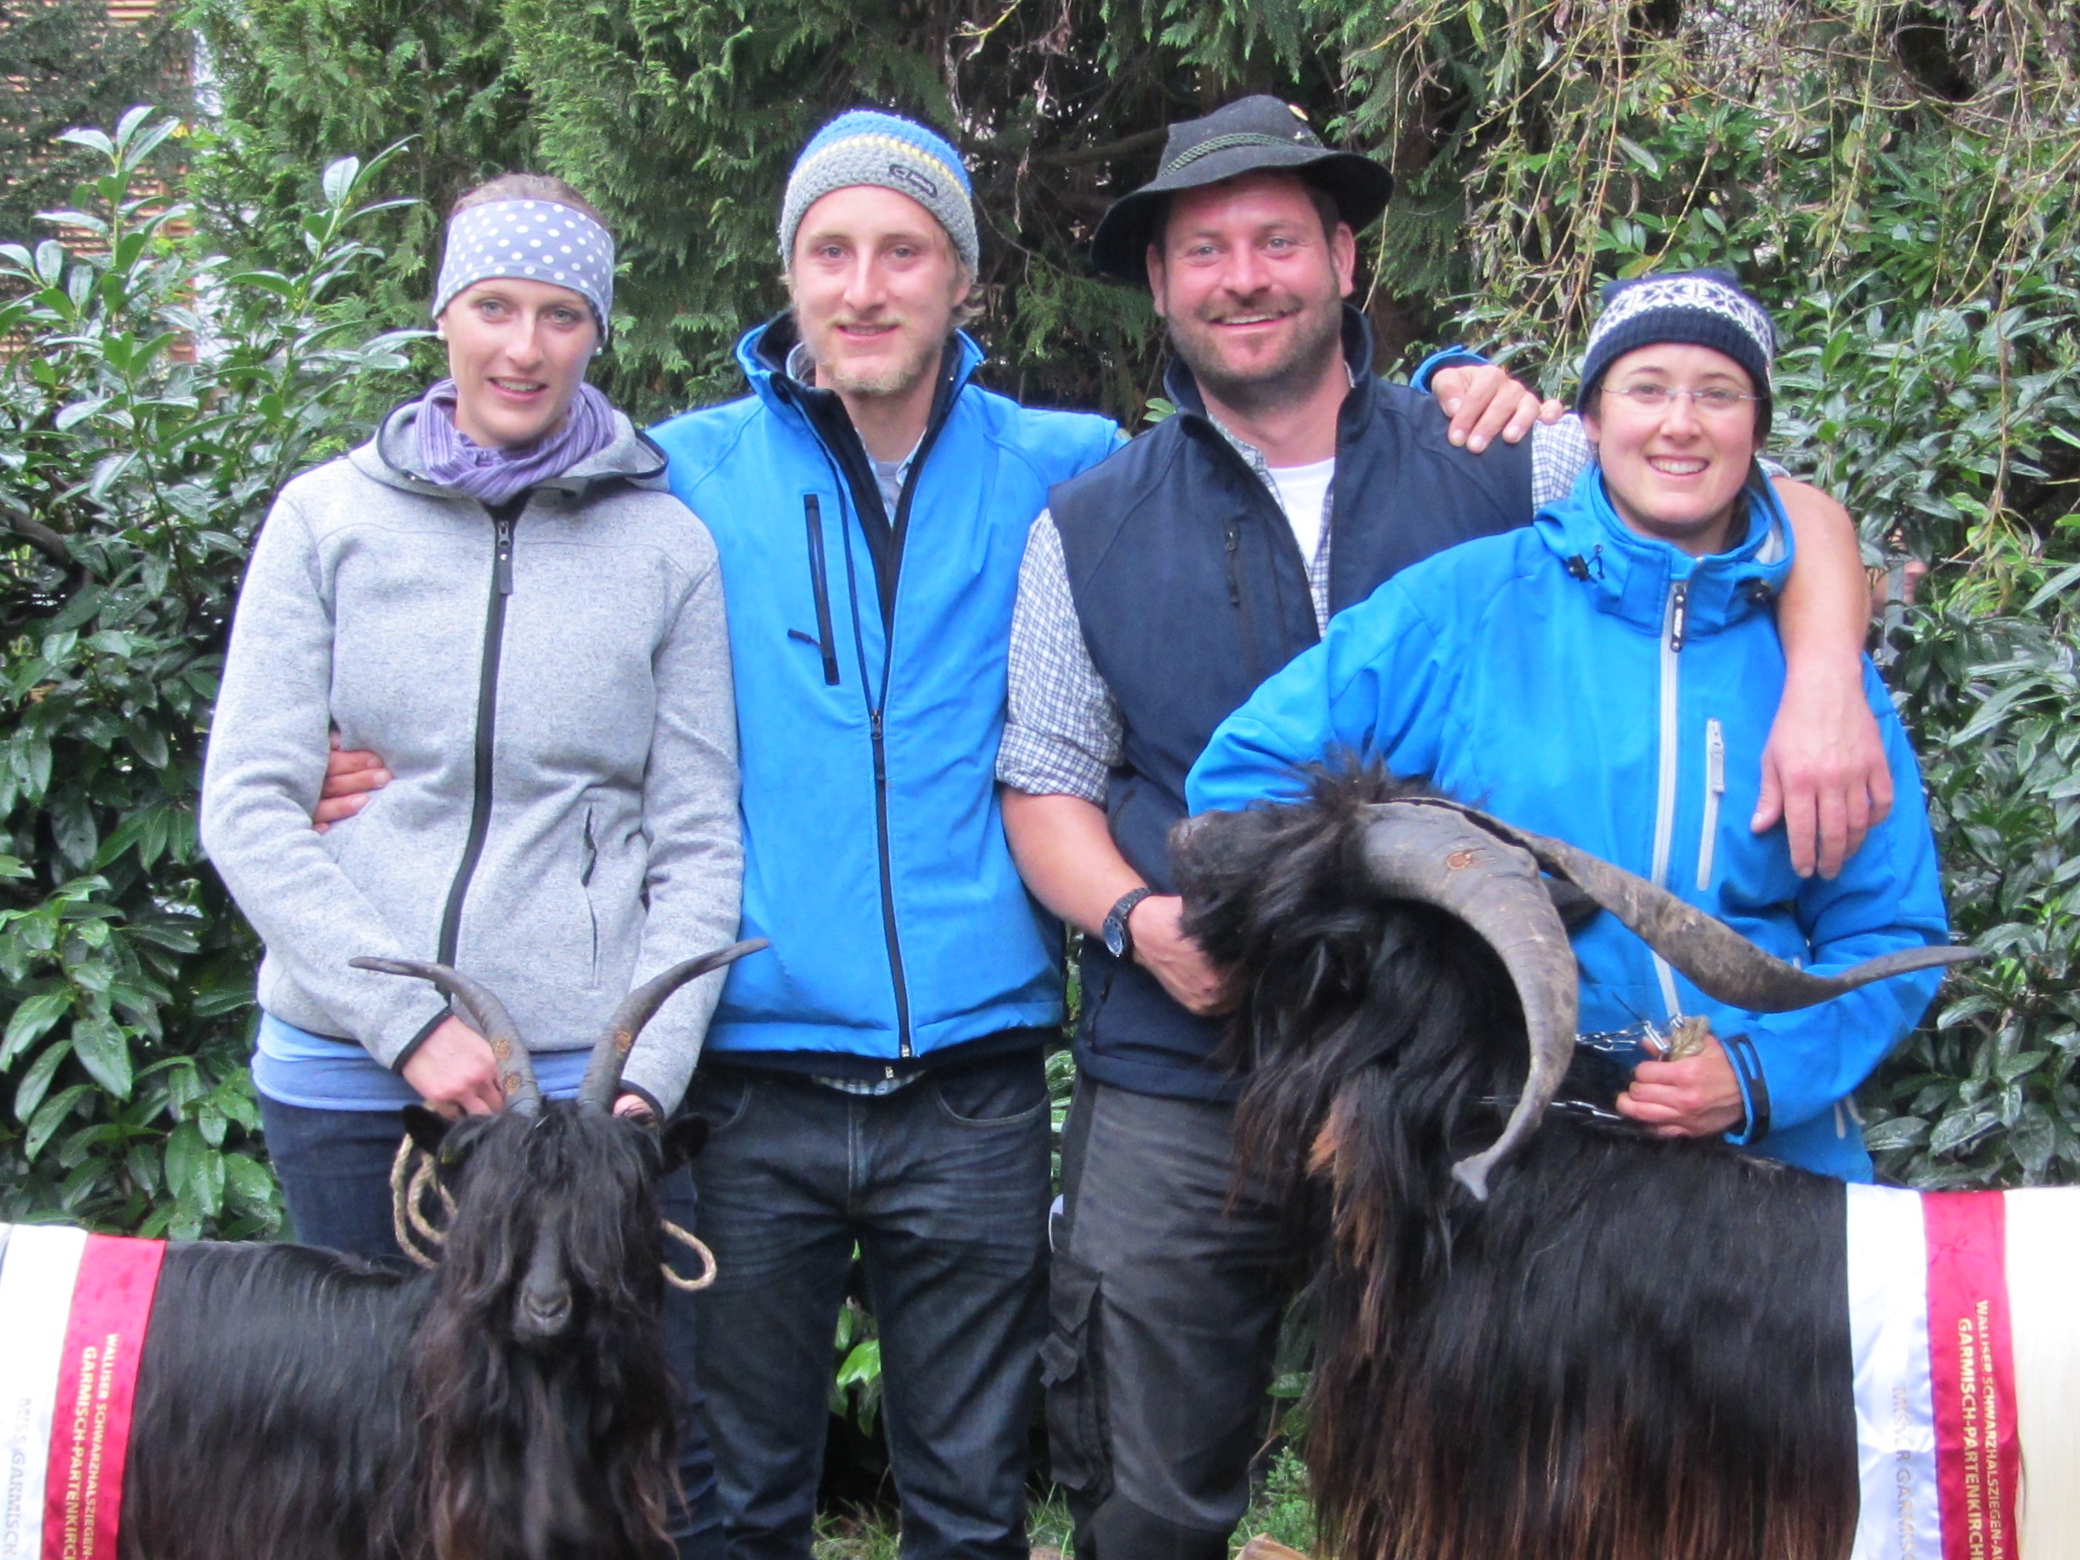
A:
564	751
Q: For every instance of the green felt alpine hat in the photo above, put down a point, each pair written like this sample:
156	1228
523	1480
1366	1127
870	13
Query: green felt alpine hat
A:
1254	135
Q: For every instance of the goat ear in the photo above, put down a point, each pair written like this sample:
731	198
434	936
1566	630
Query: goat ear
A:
1576	908
426	1128
683	1137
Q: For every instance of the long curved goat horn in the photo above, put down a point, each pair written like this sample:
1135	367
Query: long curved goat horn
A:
1493	886
1719	961
610	1054
487	1015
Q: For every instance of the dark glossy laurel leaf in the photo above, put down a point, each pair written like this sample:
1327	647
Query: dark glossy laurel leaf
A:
36	1079
33	1018
103	1050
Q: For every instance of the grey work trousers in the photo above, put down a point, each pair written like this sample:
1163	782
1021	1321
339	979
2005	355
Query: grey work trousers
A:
1165	1314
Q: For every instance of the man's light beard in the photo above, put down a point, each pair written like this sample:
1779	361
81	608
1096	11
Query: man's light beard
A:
1291	378
884	379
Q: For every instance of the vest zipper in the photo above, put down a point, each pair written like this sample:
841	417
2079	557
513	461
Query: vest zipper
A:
1714	788
812	517
1673	623
1252	663
487	721
880	746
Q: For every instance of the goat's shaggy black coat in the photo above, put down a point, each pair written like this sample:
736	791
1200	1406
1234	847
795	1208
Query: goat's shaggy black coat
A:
1635	1350
298	1405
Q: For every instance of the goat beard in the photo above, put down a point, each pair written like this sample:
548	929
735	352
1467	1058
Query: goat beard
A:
552	1453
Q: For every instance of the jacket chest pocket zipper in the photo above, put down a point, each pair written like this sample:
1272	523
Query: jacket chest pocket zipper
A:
1714	789
826	644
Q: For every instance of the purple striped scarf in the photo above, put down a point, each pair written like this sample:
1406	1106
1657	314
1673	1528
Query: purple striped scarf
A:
492	476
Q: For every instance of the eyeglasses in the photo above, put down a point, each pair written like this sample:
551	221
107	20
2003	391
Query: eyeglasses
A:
1712	401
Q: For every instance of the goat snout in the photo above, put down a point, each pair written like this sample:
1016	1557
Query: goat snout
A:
542	1309
542	1314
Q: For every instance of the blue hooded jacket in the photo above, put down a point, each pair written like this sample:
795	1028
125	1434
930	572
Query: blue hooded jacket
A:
1584	681
869	655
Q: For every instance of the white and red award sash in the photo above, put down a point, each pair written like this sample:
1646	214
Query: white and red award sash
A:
1961	1314
73	1313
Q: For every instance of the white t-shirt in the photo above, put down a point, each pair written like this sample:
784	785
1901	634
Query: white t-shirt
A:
1303	492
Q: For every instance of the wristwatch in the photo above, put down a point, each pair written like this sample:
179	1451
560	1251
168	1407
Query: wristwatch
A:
1119	937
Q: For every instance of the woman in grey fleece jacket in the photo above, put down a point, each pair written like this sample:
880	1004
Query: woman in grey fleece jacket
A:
498	595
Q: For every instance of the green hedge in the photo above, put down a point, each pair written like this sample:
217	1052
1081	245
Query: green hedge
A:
161	399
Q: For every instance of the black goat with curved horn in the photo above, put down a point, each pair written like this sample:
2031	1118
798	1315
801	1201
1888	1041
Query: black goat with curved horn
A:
511	1403
1621	1347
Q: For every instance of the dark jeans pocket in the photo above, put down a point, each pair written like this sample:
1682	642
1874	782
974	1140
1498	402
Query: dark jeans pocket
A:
720	1096
1069	1371
999	1092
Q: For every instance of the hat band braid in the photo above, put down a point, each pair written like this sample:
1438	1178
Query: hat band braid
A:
1222	143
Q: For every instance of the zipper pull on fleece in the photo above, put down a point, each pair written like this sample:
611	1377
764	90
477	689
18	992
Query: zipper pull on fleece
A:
503	558
1678	613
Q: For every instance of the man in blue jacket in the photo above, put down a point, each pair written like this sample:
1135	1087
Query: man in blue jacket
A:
877	1079
1159	591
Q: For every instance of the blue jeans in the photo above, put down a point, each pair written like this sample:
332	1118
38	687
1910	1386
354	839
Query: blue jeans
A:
943	1188
335	1172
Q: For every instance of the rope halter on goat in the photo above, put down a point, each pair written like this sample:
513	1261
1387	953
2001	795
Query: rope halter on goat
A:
412	1176
413	1173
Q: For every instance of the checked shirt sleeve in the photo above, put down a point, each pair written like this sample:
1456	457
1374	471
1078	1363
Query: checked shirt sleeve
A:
1559	451
1062	736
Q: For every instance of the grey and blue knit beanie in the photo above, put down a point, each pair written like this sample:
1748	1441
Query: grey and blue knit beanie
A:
868	147
1697	308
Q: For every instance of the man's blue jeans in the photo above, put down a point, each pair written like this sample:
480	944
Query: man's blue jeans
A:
943	1188
335	1172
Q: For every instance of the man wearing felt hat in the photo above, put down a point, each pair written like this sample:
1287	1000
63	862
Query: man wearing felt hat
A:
1156	594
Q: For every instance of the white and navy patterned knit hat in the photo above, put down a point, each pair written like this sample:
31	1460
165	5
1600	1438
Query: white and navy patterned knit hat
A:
868	147
531	240
1697	308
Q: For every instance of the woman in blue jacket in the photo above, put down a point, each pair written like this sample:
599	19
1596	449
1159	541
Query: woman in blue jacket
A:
1608	677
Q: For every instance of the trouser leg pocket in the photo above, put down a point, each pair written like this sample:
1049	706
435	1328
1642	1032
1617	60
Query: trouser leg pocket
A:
1069	1370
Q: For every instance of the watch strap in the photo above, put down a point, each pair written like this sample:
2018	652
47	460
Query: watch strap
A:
1117	917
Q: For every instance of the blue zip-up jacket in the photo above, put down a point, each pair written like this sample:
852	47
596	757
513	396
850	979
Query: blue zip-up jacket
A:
870	659
1583	681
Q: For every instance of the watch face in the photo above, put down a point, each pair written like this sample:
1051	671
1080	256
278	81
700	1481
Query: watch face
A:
1115	936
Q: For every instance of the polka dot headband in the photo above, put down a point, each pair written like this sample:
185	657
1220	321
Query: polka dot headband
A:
529	240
